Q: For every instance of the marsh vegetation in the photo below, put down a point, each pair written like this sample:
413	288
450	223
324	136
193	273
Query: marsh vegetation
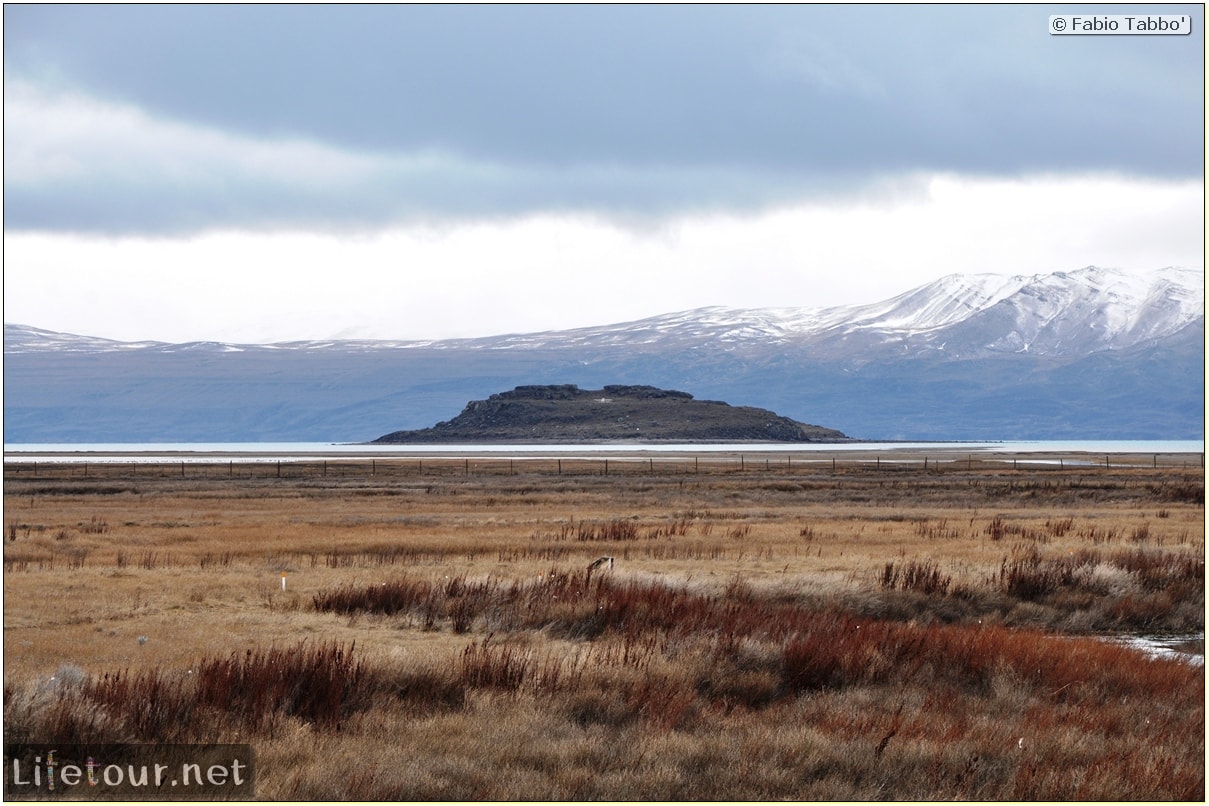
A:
800	632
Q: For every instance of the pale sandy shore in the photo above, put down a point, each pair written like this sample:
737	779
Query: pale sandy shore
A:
753	454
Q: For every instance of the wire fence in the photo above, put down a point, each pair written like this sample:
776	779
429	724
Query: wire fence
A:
620	465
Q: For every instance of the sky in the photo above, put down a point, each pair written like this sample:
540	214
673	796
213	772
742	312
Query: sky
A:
267	173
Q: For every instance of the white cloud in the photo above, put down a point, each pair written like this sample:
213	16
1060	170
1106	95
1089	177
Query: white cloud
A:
558	271
63	137
77	162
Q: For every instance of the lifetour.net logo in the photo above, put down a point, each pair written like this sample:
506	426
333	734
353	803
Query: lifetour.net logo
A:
159	772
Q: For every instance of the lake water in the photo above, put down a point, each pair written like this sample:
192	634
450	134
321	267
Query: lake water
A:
301	451
1189	648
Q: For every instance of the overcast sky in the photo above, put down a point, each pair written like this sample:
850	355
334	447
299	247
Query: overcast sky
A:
263	173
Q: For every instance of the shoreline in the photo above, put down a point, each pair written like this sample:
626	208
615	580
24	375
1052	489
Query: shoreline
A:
891	453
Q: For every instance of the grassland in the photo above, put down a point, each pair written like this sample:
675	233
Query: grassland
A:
771	630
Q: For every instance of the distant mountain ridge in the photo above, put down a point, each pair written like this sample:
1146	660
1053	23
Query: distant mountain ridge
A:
1088	354
1052	314
566	414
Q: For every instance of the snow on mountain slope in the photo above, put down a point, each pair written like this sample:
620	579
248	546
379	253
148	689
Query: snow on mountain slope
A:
25	339
1091	309
1079	311
944	302
1063	313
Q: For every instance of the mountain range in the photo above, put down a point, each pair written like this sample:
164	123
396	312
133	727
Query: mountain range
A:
1089	354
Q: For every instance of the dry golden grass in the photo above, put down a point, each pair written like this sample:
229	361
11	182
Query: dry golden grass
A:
718	659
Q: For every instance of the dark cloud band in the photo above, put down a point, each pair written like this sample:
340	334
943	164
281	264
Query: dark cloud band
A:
627	110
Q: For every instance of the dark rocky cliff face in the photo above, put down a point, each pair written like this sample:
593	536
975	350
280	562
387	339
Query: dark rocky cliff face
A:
567	414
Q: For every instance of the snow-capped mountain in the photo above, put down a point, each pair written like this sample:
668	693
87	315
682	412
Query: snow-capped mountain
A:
921	310
26	339
1093	353
1049	314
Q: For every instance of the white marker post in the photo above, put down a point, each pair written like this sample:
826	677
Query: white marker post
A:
283	580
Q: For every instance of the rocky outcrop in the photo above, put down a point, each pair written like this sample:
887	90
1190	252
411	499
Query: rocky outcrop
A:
567	414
